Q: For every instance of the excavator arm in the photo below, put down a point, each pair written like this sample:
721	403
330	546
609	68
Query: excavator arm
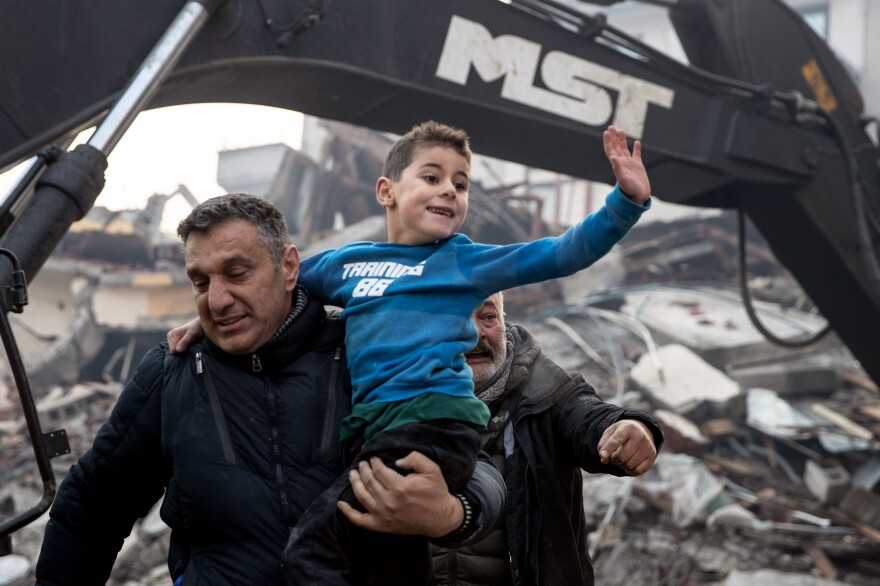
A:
765	120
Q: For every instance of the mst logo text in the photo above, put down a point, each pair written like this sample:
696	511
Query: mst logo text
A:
575	88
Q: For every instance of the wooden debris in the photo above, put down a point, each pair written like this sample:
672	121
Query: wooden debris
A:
860	381
823	563
851	428
719	427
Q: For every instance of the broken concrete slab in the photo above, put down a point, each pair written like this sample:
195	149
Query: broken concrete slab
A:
13	568
862	505
770	414
798	376
683	486
713	324
867	475
827	480
681	434
688	385
775	578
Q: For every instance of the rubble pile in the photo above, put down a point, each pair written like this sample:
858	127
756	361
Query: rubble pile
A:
770	474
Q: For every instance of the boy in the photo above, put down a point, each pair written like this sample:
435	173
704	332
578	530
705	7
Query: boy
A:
407	305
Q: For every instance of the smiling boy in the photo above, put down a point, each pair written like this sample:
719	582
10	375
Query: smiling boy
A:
407	305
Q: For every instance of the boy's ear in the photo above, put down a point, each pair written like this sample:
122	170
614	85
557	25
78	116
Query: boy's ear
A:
384	195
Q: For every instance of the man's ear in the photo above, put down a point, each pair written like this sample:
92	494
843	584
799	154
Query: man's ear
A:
290	267
384	195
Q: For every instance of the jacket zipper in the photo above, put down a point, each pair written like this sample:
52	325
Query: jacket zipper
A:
272	402
330	413
528	485
216	411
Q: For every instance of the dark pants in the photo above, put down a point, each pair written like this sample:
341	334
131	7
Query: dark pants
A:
326	549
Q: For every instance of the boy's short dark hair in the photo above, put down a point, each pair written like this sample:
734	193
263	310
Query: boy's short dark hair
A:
426	134
259	211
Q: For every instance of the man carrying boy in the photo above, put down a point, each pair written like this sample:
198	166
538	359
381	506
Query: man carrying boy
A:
239	433
407	305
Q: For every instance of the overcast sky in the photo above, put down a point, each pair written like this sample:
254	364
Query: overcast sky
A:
166	147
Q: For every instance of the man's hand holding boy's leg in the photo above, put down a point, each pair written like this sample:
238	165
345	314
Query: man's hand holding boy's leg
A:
416	504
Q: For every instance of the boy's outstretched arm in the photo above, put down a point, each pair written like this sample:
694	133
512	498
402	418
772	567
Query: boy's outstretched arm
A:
628	168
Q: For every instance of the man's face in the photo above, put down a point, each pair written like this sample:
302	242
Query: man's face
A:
242	297
491	350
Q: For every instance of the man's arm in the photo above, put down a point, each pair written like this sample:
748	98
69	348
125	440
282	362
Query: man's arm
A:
606	438
486	492
420	502
108	489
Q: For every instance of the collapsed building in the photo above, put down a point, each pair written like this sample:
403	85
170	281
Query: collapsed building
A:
770	473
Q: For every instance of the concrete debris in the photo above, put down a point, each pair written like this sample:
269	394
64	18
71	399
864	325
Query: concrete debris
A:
868	474
609	529
774	578
13	568
771	469
775	416
682	435
862	505
769	413
690	383
810	374
827	480
684	486
731	515
712	322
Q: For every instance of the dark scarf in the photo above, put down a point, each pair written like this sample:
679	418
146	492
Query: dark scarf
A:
494	388
300	300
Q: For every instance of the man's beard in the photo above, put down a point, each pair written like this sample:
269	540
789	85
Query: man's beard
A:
484	373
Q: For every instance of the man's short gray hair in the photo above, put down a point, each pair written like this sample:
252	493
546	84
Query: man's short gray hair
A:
259	211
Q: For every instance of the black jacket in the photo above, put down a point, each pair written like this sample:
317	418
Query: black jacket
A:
230	506
557	421
234	490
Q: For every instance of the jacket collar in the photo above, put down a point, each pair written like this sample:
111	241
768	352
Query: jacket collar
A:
534	378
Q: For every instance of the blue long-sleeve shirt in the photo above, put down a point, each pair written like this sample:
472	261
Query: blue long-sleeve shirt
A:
408	307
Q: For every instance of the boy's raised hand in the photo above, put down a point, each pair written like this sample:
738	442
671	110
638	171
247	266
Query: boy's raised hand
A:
628	168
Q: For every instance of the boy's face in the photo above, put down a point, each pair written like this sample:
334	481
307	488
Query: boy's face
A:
430	201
